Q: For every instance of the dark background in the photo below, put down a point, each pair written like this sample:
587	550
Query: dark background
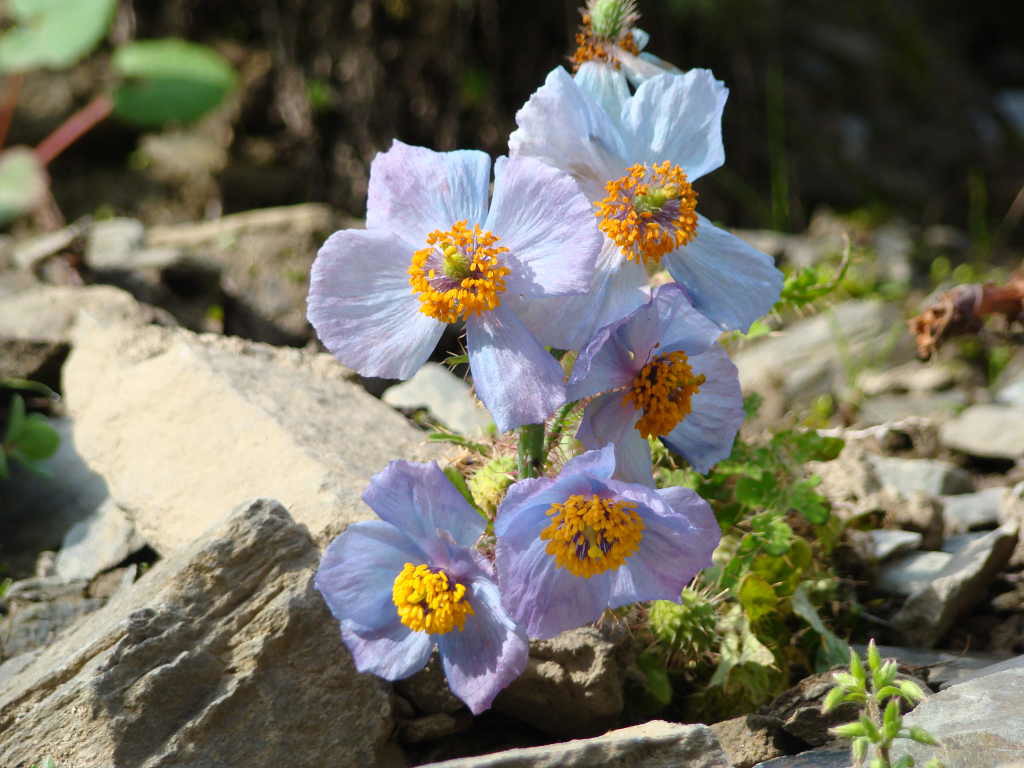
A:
881	106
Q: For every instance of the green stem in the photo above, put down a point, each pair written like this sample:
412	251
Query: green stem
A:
530	458
557	427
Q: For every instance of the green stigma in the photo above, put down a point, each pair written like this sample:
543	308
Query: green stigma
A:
611	19
456	265
654	200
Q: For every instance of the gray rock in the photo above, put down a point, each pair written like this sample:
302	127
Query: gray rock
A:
36	512
914	376
1011	512
801	710
47	313
181	425
223	654
656	744
813	355
993	667
930	612
980	723
925	475
447	397
119	244
572	685
967	511
886	408
28	253
989	431
887	543
428	691
35	618
954	545
101	541
940	668
823	757
35	360
749	739
431	727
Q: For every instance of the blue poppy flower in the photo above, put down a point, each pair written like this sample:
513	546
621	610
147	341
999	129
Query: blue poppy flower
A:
411	581
658	372
571	546
435	253
637	165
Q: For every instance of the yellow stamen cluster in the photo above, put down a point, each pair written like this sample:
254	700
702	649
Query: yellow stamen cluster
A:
589	535
592	47
428	602
649	212
459	274
663	391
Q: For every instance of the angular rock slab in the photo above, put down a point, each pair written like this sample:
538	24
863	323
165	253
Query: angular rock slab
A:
656	744
990	431
221	655
980	723
182	426
930	612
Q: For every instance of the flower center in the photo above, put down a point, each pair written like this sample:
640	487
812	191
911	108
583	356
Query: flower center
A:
591	535
458	274
605	24
428	602
649	212
664	391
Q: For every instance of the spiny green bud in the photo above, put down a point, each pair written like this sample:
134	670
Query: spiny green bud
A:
611	19
921	736
490	482
686	627
911	691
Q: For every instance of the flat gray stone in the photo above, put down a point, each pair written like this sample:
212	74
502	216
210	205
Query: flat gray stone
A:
886	543
912	572
181	425
980	723
941	668
47	312
97	543
967	511
930	612
119	244
988	431
925	475
448	398
223	654
882	409
656	744
823	757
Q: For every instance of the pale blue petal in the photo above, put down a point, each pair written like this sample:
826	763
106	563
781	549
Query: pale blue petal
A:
644	67
392	653
609	419
363	309
633	459
605	84
706	435
514	376
563	126
729	281
358	570
568	322
547	224
680	326
604	364
543	597
420	500
414	191
678	118
489	653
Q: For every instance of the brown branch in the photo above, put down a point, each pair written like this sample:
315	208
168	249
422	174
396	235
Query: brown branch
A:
963	309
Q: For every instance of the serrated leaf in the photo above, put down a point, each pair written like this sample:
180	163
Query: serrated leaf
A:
22	182
773	534
808	502
36	440
168	81
53	33
833	649
656	679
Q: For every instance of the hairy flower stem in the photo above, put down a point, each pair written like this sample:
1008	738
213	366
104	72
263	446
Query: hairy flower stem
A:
530	458
72	129
10	102
557	427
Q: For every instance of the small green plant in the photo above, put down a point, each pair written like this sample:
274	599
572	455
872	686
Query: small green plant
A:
29	438
879	692
155	82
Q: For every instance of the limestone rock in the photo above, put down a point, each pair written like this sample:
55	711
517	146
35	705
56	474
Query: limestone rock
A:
925	475
183	425
656	744
912	572
887	543
930	612
47	313
97	543
800	710
448	398
223	654
572	685
990	431
967	511
980	723
750	739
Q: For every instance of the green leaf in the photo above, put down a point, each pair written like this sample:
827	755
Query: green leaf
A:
833	699
15	418
921	736
911	691
22	183
656	679
3	461
456	479
857	669
36	441
859	748
53	33
849	730
833	650
906	761
755	491
757	597
891	719
450	437
9	382
773	534
169	81
752	404
808	502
